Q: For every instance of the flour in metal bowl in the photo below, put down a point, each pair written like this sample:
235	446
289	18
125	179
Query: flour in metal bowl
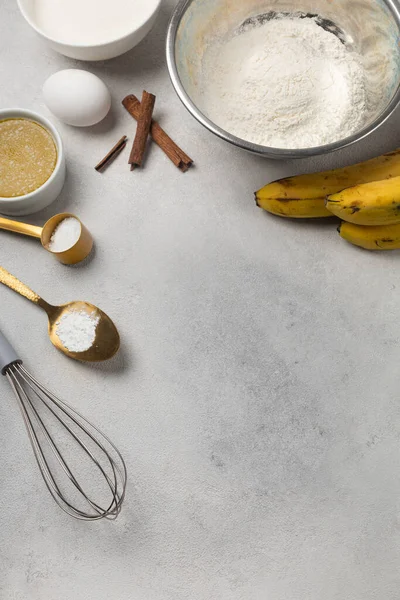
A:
286	82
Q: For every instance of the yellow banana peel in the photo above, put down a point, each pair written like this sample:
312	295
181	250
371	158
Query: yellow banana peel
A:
376	203
303	196
380	237
309	208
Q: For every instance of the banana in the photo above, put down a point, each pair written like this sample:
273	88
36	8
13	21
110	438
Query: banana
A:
310	208
376	203
381	237
303	196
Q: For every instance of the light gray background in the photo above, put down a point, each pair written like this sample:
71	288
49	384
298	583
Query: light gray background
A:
257	394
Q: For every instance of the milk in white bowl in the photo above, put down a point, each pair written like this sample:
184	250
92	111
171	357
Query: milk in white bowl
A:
91	29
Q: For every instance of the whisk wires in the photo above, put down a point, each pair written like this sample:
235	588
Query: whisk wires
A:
37	404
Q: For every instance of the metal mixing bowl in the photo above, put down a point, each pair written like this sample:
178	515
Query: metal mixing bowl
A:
372	28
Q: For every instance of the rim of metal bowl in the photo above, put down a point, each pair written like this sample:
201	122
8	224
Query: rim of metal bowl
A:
266	151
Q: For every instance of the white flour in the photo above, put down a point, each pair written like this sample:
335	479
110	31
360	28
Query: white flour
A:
65	235
288	83
77	330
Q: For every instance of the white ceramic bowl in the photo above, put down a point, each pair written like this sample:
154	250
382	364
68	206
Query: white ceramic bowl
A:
48	192
104	51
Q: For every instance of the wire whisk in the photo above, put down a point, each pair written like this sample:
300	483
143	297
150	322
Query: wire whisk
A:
88	485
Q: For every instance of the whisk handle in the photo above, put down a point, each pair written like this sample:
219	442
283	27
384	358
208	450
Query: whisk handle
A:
8	356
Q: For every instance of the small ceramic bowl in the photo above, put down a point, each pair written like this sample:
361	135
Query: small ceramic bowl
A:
48	192
92	52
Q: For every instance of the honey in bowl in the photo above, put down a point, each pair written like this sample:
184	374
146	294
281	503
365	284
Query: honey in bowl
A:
28	157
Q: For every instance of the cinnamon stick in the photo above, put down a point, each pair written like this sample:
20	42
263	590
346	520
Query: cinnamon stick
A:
161	138
107	160
143	130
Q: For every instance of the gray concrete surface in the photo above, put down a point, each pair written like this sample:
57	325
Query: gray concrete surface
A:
256	396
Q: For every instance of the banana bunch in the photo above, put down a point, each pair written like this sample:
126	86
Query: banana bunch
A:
366	196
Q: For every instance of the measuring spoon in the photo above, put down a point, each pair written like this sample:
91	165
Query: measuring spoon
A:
78	252
106	342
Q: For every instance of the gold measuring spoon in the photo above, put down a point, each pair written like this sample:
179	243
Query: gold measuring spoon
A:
106	342
78	252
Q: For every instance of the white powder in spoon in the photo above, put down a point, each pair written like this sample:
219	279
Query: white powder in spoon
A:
77	330
65	235
287	83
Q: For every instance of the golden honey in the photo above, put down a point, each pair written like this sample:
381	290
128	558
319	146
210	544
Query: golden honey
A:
28	157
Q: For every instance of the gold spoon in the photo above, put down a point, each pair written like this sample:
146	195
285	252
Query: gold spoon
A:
78	252
106	342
